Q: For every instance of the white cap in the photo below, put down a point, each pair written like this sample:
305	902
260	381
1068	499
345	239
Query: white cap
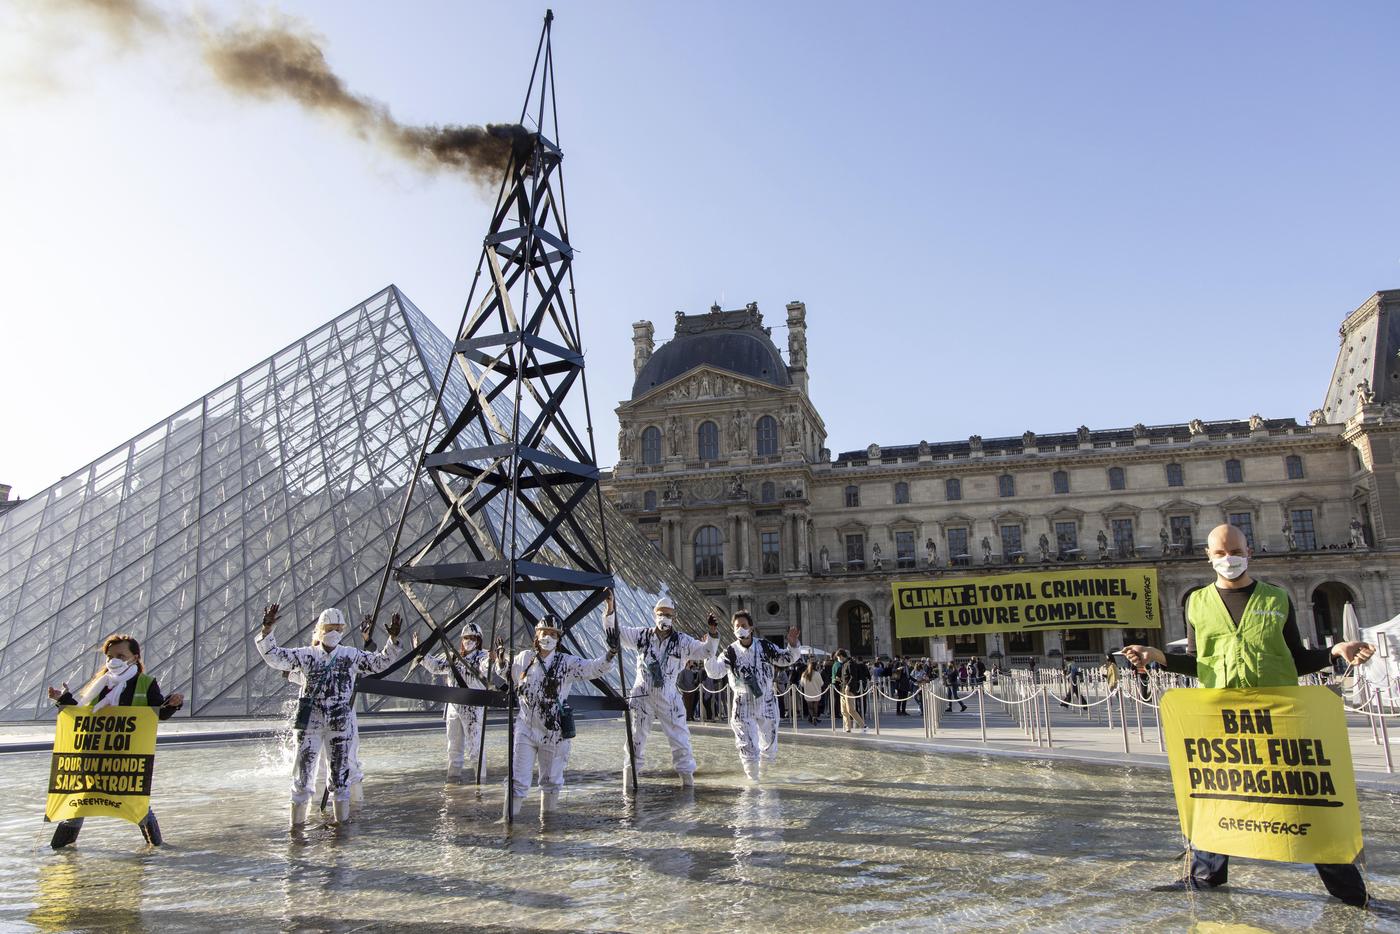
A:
330	617
471	629
664	603
549	621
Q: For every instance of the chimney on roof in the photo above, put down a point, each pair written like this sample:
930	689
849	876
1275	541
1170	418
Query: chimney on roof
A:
642	345
4	492
797	344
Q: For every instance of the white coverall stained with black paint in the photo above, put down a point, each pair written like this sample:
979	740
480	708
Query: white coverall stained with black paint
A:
753	712
463	721
660	658
546	683
325	708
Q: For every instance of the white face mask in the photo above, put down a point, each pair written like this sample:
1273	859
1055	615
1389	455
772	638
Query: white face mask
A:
117	665
742	632
330	639
665	622
1230	566
547	643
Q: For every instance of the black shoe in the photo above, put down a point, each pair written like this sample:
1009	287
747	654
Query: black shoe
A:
964	707
1187	884
950	709
63	835
150	829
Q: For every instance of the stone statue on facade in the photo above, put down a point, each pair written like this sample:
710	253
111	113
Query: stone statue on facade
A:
924	449
1288	535
1357	533
676	434
793	424
1044	544
825	557
986	550
875	556
1364	394
1083	434
738	431
1256	422
1139	430
672	493
1316	417
974	444
625	436
1103	545
736	487
1196	427
931	550
1165	539
1028	439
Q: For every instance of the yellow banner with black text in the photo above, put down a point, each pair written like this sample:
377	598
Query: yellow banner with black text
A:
102	763
1263	772
1027	601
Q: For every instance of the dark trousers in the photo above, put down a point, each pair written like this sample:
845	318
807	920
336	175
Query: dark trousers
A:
67	830
692	701
1342	880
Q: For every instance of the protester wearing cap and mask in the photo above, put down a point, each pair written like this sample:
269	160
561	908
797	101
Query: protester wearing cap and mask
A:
1243	633
120	682
661	655
323	758
325	708
542	677
474	666
753	713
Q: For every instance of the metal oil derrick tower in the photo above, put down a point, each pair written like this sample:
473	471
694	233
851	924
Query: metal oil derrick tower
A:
510	469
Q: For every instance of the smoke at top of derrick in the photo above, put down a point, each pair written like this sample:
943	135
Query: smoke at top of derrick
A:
285	61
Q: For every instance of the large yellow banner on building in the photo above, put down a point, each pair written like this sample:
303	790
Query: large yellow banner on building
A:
1264	772
102	763
1088	599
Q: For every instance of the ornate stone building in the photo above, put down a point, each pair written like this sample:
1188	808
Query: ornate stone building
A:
724	467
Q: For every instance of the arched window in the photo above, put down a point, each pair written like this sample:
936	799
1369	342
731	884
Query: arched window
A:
952	489
766	437
768	492
1294	465
707	441
901	492
1116	479
709	552
852	495
1006	485
1059	481
1234	471
1175	476
649	500
651	445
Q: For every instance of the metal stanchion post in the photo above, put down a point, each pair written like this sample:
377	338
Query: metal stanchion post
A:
1049	732
875	705
1137	713
1385	731
1123	719
982	711
831	702
792	702
1161	731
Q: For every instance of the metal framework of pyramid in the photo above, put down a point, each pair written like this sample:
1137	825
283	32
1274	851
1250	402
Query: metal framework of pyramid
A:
284	484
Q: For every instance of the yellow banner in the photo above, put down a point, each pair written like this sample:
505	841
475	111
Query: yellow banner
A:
102	763
1264	773
1027	601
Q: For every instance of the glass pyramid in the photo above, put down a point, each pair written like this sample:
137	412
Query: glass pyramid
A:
283	485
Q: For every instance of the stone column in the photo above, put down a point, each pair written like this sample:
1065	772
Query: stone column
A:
803	545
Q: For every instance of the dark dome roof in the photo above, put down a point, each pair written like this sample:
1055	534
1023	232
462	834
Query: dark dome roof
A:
715	340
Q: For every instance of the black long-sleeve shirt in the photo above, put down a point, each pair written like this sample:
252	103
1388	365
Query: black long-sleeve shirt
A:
1306	660
154	698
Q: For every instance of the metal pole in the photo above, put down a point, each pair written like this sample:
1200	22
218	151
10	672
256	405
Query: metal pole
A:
792	702
1123	718
1161	733
982	711
875	706
831	703
1385	731
1137	713
1049	733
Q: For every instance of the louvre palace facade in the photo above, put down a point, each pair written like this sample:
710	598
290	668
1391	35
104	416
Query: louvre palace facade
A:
724	466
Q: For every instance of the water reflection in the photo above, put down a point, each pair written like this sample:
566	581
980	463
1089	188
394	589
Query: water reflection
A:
838	840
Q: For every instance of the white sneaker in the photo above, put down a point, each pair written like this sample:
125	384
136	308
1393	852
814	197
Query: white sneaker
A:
299	814
687	779
865	729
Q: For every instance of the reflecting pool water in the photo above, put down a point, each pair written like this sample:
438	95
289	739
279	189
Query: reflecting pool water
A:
838	840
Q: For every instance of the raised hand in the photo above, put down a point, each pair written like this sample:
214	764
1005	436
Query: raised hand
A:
395	625
56	693
176	700
269	617
794	638
609	602
367	628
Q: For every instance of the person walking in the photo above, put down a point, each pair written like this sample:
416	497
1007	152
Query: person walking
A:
810	684
843	675
950	681
1243	633
750	664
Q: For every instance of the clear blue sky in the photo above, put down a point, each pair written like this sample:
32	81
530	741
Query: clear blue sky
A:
1001	216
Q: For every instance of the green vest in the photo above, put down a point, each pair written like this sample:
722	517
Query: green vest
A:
143	684
1252	655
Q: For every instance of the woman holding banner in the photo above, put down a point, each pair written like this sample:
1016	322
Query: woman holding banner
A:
121	681
1243	633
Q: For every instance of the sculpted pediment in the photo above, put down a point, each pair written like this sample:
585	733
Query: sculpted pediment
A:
706	383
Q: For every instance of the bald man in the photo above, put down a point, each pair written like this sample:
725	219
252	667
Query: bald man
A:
1249	634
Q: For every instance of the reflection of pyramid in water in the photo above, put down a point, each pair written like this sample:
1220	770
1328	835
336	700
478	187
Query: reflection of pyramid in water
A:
284	484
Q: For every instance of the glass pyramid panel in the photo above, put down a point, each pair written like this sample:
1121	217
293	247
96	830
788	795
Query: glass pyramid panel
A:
283	485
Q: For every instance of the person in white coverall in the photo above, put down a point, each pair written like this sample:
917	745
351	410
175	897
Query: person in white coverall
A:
753	713
474	665
325	708
542	677
661	655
